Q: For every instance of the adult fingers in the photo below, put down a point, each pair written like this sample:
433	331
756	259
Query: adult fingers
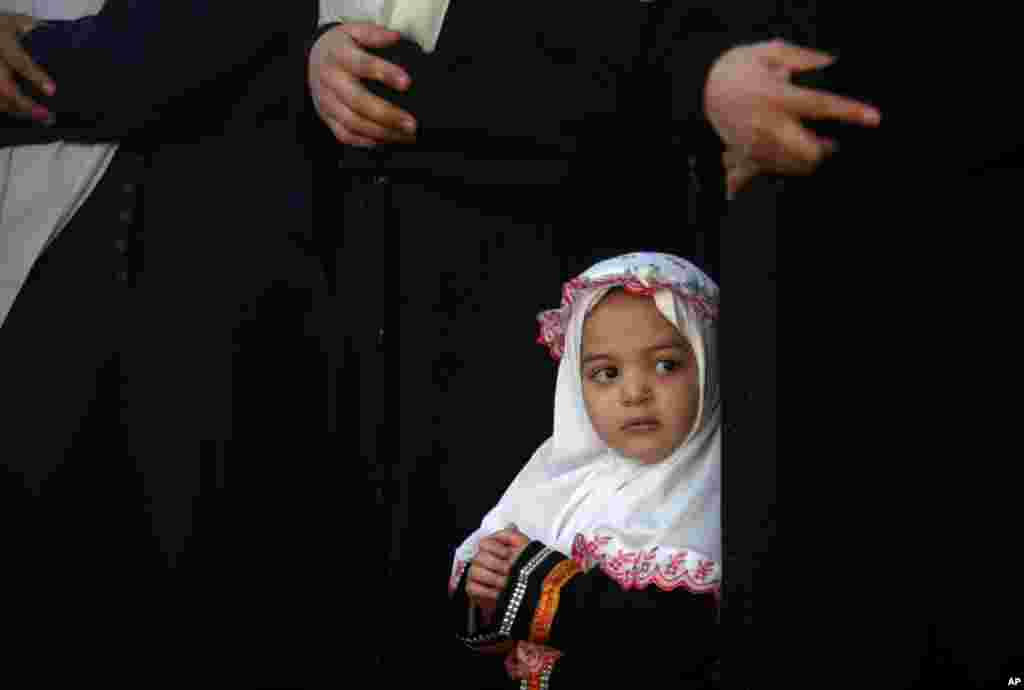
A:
732	158
365	112
21	22
14	102
738	177
370	35
813	104
350	56
794	150
22	63
739	170
339	64
330	105
25	105
793	57
344	136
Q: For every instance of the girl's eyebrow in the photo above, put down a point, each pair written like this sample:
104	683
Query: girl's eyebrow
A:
591	358
675	344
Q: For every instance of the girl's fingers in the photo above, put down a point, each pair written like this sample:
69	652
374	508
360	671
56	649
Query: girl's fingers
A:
495	548
487	578
482	592
496	564
512	538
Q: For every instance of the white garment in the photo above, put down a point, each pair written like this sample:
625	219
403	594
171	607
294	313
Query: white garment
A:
418	20
641	524
42	186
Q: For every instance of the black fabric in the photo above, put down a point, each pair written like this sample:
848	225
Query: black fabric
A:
534	586
598	624
749	355
66	387
877	236
523	559
597	619
481	669
534	583
228	475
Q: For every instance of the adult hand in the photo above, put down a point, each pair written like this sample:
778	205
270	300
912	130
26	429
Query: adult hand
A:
738	171
758	112
337	65
489	572
14	61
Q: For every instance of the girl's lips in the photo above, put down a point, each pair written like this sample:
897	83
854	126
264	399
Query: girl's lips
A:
641	424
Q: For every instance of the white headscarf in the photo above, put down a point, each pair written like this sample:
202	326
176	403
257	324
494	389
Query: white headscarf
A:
641	524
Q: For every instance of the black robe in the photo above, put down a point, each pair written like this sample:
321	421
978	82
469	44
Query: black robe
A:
897	324
209	454
606	633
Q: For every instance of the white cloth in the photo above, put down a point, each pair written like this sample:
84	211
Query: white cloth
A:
42	186
418	20
642	524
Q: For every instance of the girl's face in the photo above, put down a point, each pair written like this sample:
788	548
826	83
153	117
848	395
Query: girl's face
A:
640	382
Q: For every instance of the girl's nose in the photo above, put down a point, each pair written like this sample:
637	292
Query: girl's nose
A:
636	390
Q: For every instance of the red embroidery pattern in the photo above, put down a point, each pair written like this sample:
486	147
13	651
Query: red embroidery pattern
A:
457	570
554	321
528	661
640	569
536	656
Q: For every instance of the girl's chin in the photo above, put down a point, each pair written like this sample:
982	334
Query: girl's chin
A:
645	456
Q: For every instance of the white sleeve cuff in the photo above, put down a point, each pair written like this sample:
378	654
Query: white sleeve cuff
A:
420	20
372	11
417	20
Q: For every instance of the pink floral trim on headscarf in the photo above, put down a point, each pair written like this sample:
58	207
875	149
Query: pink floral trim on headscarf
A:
642	274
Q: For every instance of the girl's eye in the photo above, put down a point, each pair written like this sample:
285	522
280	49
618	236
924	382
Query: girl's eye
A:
605	375
667	366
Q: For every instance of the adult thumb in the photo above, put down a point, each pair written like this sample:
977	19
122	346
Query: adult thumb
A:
23	23
371	35
795	58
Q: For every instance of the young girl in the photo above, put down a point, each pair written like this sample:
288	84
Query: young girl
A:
602	561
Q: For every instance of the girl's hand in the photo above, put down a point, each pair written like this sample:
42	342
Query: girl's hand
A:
489	572
513	540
